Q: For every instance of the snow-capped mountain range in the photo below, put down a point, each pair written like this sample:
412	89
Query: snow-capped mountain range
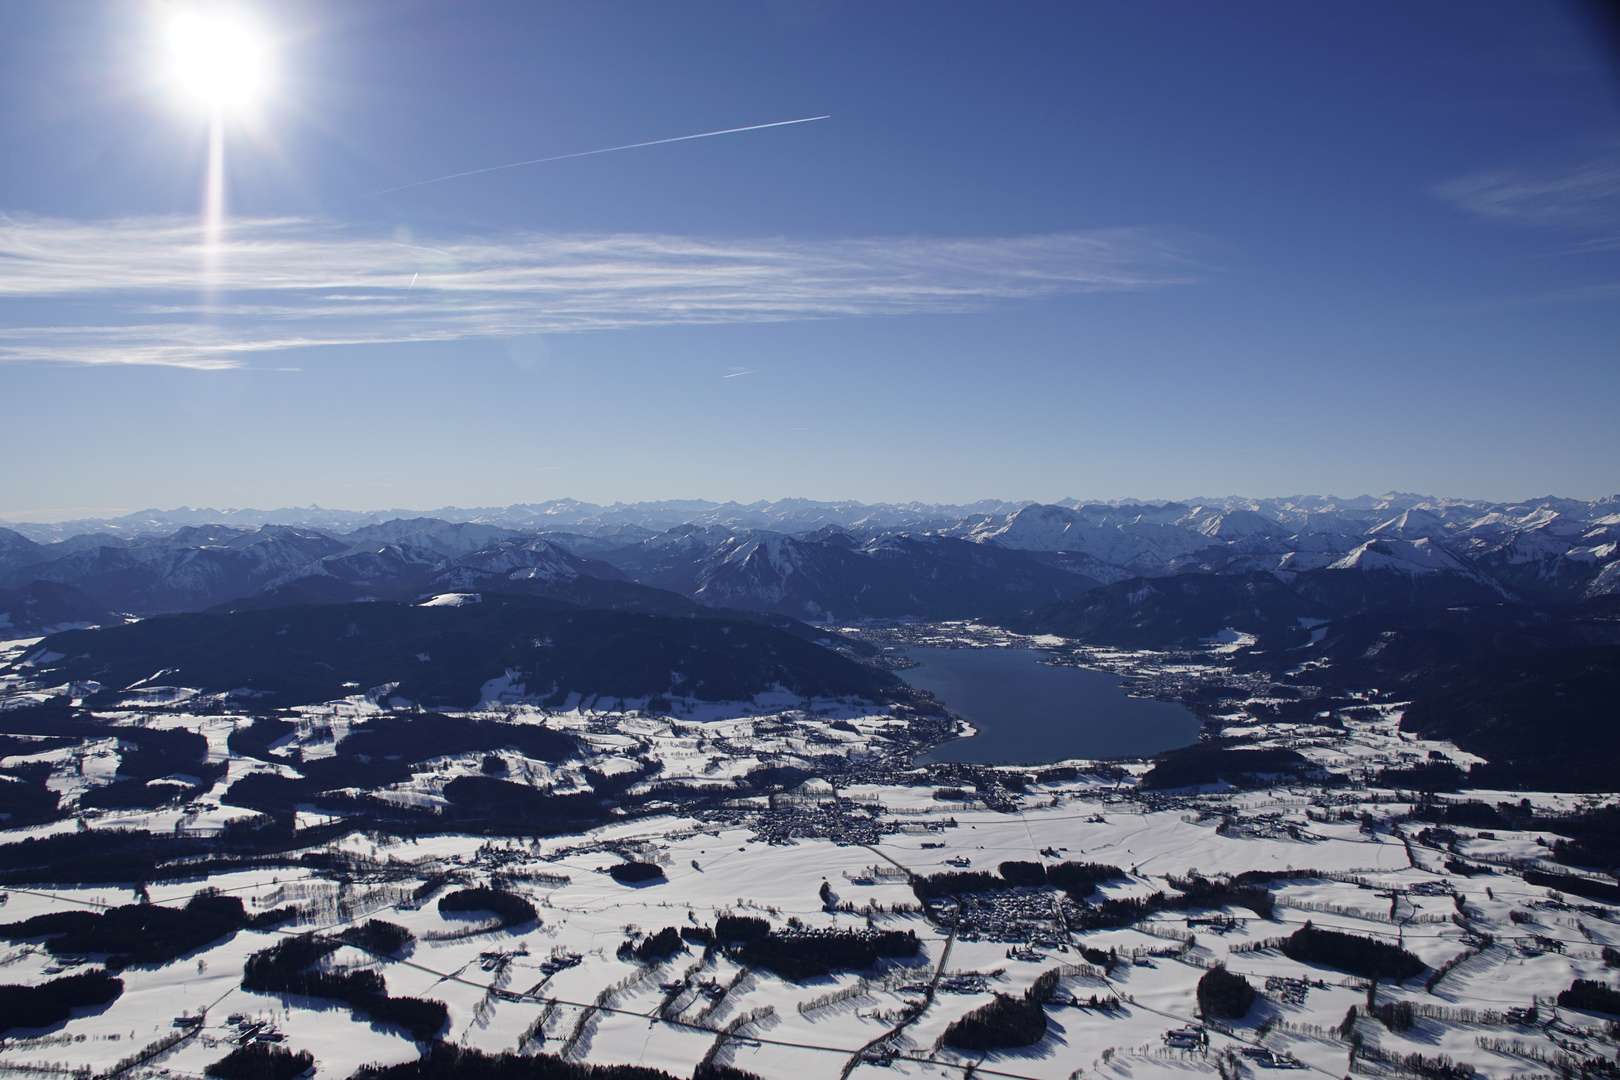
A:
811	560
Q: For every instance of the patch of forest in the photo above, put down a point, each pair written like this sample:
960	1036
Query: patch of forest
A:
446	1062
49	1003
286	968
1005	1023
25	799
261	1061
141	933
1079	880
654	947
1579	886
1591	995
512	909
1367	957
1202	764
1223	995
808	954
377	936
133	855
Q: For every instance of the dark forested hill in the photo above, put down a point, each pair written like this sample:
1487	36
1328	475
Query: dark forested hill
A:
1157	613
42	606
443	655
1179	610
1547	719
1534	689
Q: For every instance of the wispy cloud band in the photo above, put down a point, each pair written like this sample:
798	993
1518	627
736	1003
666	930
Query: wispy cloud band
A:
1579	196
155	295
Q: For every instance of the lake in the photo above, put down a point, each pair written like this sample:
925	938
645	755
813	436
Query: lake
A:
1031	713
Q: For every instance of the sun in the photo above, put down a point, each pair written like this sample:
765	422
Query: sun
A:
220	61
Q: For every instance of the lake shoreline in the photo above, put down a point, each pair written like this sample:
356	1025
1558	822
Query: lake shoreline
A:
1027	711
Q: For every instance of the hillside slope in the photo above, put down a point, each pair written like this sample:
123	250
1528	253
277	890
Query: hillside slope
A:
443	655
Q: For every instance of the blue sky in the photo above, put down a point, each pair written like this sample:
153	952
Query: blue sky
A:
1038	250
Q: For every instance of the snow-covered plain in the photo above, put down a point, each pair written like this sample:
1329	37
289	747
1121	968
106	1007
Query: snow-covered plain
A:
1343	857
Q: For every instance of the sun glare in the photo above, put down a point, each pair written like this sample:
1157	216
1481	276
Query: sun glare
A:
220	61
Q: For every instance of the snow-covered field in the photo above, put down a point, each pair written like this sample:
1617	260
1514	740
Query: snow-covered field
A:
1341	856
714	870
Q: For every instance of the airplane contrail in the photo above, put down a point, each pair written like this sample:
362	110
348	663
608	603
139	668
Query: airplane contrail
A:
588	153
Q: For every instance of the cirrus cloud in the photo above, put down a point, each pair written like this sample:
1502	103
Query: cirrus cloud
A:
1584	195
147	291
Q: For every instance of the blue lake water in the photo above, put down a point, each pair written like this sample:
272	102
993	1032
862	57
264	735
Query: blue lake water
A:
1030	713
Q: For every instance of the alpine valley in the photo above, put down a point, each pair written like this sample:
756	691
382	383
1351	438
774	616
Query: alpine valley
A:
592	792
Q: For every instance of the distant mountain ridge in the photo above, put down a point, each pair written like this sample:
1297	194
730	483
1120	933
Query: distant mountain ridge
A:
805	515
819	560
1498	624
